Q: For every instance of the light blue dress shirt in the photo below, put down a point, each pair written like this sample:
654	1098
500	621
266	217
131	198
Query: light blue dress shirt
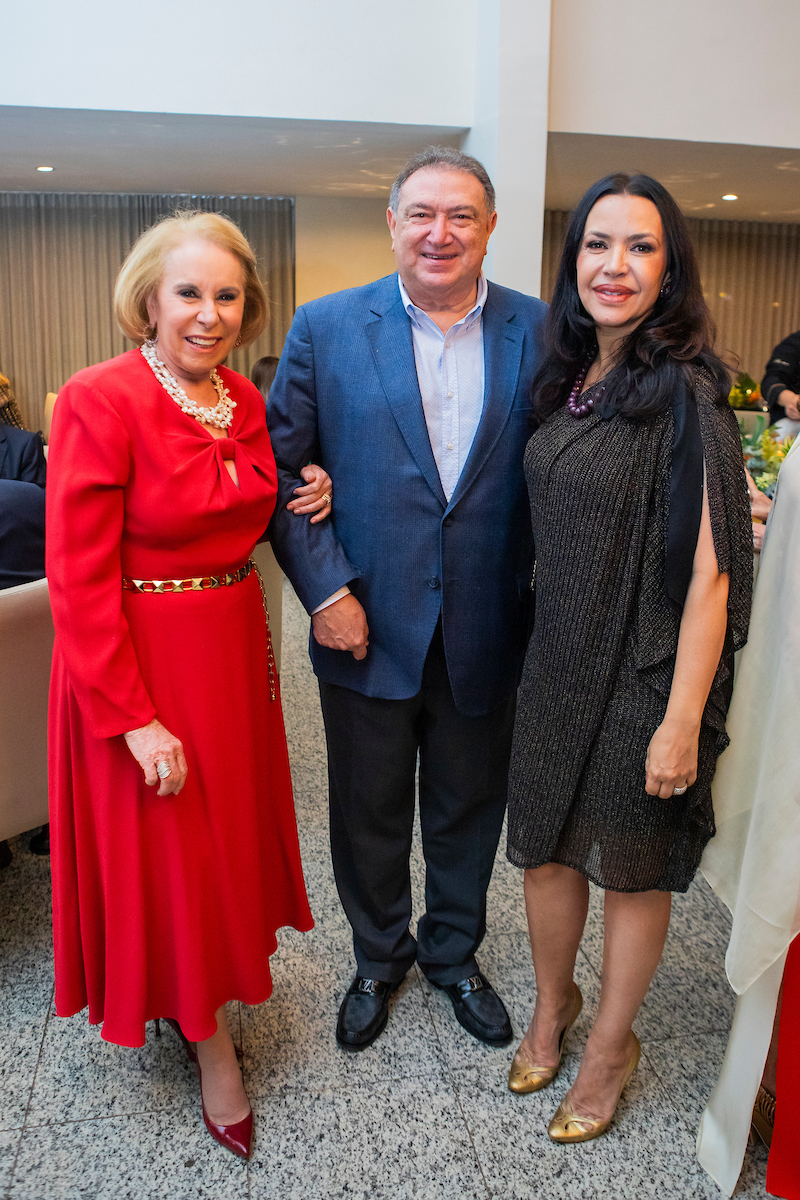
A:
451	374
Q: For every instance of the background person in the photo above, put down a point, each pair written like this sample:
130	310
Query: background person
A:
780	386
644	565
414	393
23	472
21	532
166	903
262	373
22	455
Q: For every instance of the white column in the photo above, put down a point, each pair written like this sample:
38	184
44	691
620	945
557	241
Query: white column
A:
509	132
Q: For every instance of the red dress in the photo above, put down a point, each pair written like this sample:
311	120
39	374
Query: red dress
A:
162	906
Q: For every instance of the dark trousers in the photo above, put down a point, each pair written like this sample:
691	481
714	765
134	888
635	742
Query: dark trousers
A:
463	768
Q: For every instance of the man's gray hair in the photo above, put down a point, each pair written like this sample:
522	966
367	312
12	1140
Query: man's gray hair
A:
443	156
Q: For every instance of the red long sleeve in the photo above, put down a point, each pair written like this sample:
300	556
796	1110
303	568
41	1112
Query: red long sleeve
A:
88	469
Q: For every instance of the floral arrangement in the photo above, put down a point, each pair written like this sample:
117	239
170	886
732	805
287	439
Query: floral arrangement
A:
764	452
745	392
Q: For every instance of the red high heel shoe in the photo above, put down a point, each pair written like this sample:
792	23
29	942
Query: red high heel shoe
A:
237	1138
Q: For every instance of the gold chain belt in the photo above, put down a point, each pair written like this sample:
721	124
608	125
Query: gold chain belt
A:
199	583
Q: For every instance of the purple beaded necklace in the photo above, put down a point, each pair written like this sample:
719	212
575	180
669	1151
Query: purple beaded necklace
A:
584	407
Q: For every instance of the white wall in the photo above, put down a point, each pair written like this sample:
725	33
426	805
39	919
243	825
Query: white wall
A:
340	242
699	70
363	60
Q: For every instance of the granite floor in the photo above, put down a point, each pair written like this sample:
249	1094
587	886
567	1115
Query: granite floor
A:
423	1113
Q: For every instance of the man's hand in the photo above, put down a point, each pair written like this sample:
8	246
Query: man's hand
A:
791	404
342	626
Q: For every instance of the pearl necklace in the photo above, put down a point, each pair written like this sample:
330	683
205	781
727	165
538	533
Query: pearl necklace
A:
581	408
220	416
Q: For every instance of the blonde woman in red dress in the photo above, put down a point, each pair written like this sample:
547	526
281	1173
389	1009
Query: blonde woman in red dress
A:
174	845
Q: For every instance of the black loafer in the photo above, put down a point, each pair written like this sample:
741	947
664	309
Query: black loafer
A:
480	1010
364	1012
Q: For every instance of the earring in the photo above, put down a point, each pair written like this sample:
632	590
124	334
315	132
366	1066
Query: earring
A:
666	288
238	341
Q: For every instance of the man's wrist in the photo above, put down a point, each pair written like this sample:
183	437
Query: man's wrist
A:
342	592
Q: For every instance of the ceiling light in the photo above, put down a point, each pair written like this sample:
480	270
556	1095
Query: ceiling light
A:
730	196
45	168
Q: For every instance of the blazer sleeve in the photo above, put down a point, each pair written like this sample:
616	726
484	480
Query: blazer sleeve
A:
33	465
782	371
311	555
89	467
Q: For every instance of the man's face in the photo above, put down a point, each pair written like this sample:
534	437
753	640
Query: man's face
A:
439	234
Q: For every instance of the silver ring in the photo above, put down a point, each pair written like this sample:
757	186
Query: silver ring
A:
679	791
163	769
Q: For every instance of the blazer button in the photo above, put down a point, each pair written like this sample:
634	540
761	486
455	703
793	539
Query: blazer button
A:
434	583
448	521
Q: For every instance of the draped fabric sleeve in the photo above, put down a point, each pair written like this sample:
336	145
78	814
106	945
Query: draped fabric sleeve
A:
658	624
729	504
90	465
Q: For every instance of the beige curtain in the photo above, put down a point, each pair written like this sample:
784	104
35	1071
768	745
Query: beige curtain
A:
751	280
59	257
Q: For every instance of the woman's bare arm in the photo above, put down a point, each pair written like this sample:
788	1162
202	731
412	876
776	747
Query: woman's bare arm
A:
672	753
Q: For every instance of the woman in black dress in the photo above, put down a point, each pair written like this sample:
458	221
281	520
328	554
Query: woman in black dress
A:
643	575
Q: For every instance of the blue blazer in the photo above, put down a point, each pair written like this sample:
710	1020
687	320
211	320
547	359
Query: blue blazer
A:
21	455
21	532
346	396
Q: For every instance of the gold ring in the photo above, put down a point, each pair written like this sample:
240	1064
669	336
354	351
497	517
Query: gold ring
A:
325	497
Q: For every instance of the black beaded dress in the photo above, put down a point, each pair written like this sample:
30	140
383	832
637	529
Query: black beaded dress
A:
599	665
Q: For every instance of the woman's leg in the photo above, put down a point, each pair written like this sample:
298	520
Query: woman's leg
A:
223	1090
556	902
636	927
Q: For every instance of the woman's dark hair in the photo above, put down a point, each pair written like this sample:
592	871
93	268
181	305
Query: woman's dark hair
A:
656	357
262	373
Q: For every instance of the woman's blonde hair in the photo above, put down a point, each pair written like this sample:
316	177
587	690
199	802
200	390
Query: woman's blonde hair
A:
143	270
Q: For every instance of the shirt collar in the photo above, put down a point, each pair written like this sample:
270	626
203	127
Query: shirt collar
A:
474	313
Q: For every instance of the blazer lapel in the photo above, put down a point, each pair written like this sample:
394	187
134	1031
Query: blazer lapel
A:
393	351
503	338
3	451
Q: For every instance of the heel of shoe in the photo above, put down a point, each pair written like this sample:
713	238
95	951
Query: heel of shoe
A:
191	1053
569	1126
525	1078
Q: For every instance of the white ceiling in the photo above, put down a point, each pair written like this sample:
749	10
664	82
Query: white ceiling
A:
164	152
95	151
699	174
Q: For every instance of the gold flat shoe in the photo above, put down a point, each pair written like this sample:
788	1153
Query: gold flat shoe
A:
524	1077
569	1126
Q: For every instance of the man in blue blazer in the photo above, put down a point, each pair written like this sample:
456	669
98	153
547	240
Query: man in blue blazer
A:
21	455
414	393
